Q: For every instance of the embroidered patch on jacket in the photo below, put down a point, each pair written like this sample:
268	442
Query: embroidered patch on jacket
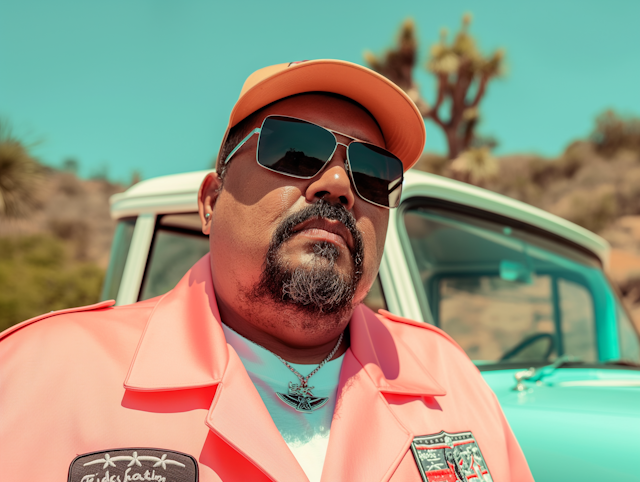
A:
450	457
129	465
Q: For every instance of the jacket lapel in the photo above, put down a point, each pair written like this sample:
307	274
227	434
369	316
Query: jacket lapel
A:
367	441
240	418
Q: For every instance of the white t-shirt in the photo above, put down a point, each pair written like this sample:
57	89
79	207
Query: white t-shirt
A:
306	434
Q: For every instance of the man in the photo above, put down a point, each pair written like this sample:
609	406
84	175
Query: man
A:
262	364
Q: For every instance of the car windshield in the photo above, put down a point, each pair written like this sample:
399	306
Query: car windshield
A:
513	297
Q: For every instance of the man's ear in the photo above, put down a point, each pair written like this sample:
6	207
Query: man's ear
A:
207	196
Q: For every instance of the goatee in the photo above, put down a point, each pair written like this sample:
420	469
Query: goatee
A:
317	288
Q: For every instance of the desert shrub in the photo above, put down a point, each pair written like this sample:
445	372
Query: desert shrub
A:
476	166
592	209
577	155
37	275
20	176
75	231
69	184
70	165
433	163
629	192
614	132
543	171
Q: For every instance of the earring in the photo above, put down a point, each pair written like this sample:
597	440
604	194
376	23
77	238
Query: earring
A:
207	216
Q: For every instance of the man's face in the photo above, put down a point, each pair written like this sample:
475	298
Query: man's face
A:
256	206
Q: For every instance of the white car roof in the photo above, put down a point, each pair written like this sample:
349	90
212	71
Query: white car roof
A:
177	193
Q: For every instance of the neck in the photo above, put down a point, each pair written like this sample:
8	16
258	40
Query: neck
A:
305	341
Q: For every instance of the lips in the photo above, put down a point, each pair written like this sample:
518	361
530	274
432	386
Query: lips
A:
327	230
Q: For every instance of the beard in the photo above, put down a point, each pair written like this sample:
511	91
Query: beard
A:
315	288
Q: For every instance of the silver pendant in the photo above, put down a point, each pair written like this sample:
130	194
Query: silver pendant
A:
301	398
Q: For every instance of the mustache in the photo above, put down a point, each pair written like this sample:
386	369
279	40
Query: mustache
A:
326	210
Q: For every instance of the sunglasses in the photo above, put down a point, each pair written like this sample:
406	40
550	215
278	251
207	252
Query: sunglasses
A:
298	148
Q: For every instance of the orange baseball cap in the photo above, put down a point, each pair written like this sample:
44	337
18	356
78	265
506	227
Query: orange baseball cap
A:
399	119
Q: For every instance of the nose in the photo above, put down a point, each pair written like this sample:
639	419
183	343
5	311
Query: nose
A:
333	183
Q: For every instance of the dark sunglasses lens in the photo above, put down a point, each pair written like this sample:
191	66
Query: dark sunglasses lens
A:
294	147
377	174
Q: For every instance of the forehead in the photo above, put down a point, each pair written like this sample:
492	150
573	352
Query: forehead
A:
328	111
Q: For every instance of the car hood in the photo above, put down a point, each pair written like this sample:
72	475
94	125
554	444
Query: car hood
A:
575	423
591	390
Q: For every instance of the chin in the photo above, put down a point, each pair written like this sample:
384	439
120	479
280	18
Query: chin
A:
313	327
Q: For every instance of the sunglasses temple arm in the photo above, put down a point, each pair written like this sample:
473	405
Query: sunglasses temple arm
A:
398	183
242	143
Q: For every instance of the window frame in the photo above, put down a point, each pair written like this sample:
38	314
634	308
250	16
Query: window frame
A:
111	267
428	312
152	245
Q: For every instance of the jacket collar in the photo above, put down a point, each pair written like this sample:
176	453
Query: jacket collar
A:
388	360
183	345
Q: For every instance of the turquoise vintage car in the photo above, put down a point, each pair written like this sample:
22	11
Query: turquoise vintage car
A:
522	291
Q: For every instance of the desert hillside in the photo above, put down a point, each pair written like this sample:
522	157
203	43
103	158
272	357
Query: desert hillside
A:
55	255
73	210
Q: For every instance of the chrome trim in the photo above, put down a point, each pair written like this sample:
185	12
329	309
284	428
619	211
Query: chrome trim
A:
136	259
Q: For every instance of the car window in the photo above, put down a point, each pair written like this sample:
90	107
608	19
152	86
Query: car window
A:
507	295
493	318
177	244
118	258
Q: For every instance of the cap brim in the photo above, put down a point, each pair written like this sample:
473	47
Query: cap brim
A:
401	123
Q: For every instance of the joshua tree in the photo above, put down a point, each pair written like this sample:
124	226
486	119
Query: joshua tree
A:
20	175
462	74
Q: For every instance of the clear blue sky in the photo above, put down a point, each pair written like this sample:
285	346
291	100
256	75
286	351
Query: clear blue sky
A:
148	84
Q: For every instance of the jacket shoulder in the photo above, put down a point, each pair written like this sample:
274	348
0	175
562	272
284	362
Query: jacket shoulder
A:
101	307
419	326
19	326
